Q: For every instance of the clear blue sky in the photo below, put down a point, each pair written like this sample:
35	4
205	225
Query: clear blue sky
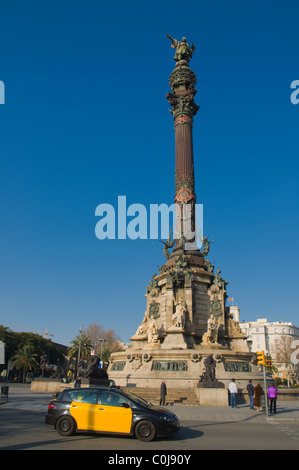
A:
86	120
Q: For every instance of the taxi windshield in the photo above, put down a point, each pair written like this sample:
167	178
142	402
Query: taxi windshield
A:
138	400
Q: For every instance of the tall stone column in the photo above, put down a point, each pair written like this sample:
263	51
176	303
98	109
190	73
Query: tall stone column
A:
182	82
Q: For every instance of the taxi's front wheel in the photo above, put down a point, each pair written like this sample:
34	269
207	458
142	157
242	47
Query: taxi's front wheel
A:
145	431
65	426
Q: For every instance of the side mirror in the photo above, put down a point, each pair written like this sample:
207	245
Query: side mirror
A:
125	405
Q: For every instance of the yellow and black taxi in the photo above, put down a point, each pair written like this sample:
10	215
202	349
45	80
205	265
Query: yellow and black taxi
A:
109	410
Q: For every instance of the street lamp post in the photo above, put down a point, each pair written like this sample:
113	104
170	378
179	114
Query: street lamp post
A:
102	340
80	341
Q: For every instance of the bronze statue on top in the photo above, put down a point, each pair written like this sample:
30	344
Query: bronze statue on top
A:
183	50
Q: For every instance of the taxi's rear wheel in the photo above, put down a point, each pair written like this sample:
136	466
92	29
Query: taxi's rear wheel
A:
65	426
145	431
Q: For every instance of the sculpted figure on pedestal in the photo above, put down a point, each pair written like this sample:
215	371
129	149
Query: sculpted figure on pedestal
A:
212	331
179	316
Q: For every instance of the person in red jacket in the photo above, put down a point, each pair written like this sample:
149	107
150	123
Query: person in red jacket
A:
272	396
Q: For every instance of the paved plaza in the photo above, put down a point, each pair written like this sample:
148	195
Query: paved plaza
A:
22	427
20	397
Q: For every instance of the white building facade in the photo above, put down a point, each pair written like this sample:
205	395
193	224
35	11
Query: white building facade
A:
266	336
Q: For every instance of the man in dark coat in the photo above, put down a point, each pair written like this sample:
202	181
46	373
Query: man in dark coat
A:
163	393
250	390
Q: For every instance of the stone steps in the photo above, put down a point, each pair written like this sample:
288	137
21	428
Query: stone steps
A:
173	397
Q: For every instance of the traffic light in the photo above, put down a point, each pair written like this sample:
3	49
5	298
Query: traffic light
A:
260	355
269	363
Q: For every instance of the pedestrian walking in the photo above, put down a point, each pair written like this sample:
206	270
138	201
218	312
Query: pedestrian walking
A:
258	392
163	393
272	396
77	382
250	390
233	391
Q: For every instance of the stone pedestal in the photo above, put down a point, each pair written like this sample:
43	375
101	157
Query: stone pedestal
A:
175	339
212	396
45	385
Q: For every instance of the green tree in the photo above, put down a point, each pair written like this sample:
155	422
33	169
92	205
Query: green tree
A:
24	360
15	341
80	345
106	353
80	349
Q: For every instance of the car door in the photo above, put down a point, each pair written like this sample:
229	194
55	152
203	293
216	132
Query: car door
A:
114	413
84	409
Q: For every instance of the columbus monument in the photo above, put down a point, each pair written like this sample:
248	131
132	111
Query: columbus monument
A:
187	335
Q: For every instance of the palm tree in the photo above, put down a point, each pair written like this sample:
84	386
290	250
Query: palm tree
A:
80	346
80	349
25	359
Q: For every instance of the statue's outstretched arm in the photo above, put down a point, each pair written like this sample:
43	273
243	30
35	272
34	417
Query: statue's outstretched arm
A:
174	42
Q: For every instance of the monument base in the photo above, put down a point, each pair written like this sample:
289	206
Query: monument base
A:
148	366
212	396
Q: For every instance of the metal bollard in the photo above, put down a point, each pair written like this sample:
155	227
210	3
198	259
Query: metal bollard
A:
4	392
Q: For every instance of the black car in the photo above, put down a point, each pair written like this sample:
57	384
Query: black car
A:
109	410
